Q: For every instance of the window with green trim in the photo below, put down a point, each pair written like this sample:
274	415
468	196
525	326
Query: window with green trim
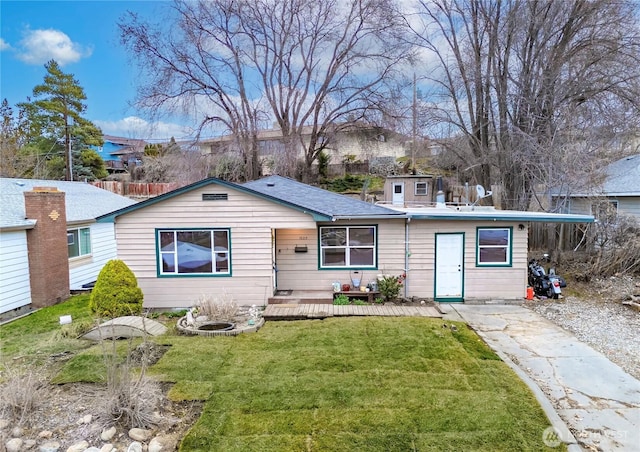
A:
348	246
194	252
79	242
493	246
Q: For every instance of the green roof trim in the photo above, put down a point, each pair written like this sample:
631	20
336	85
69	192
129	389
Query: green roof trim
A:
111	217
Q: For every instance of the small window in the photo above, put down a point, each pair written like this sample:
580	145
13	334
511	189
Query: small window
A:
493	247
348	247
194	252
421	188
79	242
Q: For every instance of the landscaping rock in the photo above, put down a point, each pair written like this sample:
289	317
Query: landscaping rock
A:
135	447
17	432
85	420
140	434
45	434
49	446
78	447
107	448
13	445
108	434
162	443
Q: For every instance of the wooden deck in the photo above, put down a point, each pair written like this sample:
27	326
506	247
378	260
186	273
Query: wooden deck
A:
295	311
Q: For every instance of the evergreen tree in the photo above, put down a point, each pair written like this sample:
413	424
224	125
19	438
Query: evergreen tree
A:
56	115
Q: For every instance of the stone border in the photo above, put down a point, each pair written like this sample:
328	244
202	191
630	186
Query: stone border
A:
239	329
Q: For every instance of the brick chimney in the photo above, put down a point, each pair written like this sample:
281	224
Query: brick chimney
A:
47	246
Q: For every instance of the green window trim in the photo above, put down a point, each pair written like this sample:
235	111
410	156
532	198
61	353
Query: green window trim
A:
79	242
193	252
348	247
494	246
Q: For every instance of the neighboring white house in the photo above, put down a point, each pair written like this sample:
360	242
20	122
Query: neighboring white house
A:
85	248
620	190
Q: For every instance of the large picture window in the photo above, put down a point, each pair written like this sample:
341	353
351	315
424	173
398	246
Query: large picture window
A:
194	252
348	246
493	246
79	242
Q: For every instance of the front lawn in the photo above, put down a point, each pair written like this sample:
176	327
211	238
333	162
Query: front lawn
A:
347	384
340	384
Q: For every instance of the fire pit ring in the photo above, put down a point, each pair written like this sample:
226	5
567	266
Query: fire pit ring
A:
216	326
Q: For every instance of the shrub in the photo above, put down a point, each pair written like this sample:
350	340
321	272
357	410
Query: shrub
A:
341	300
116	292
390	286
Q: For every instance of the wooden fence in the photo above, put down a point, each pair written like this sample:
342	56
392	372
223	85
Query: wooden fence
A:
136	189
560	237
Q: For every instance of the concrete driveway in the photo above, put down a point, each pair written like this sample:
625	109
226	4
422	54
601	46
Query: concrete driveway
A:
591	402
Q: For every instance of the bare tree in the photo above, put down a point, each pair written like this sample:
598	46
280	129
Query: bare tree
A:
307	65
534	86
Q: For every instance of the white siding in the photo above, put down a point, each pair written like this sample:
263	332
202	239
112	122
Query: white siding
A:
251	221
84	270
15	288
630	206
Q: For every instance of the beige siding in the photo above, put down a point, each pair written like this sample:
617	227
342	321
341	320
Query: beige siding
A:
299	271
251	221
255	224
479	282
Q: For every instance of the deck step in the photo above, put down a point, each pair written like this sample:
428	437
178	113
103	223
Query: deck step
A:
296	300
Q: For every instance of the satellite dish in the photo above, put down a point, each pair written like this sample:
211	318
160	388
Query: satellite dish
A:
480	191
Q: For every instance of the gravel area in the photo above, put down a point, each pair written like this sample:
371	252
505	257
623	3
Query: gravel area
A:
606	325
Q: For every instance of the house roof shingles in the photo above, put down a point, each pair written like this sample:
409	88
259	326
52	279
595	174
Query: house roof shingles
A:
316	199
623	177
84	202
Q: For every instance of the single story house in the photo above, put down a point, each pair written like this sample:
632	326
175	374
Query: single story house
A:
217	238
620	191
50	242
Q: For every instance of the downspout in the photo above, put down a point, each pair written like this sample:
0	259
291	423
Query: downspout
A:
407	253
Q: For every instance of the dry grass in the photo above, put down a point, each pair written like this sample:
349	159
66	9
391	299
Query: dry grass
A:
221	307
21	391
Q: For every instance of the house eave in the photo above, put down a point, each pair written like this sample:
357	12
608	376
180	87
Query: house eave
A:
21	227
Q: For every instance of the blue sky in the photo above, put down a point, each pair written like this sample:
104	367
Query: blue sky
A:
83	37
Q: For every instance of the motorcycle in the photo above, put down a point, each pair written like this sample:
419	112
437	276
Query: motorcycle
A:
545	285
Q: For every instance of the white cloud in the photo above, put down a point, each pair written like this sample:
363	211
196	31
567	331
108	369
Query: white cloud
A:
40	46
135	127
4	45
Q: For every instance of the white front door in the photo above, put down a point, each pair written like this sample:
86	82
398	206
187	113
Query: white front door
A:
449	267
398	193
